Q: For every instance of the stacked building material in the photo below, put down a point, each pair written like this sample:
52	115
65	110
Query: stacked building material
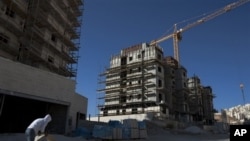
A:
142	130
117	133
115	130
102	132
131	130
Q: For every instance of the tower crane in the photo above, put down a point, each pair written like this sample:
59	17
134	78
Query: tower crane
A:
176	35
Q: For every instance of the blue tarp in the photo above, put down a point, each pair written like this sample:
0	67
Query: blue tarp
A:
115	124
84	132
141	124
130	123
126	133
102	132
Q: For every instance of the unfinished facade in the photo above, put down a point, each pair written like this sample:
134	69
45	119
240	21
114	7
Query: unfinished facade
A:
176	83
140	80
200	101
135	82
39	43
44	34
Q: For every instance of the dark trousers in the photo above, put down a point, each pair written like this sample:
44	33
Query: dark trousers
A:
30	134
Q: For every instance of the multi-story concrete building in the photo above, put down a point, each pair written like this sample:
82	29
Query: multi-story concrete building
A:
141	81
39	43
200	101
177	84
208	106
135	83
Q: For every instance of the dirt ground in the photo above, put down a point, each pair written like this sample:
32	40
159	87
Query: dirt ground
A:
154	133
162	136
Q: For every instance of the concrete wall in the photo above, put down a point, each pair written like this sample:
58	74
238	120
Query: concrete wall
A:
139	117
78	104
41	85
29	80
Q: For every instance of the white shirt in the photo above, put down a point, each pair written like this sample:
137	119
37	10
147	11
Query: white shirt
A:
40	124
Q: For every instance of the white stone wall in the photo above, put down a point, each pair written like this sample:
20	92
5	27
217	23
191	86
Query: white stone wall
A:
33	82
139	117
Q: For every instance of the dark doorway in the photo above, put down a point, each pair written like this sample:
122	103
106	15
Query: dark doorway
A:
17	113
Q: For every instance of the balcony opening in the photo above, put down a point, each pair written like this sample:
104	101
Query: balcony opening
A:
53	38
51	59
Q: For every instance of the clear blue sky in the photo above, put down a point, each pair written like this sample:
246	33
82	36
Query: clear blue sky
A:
218	51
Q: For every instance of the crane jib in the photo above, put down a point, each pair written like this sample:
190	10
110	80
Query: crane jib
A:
176	35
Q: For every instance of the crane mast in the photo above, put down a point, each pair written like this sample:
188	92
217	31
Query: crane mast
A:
176	35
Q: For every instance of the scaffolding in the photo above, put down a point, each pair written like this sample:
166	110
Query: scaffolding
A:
127	87
133	87
47	32
200	100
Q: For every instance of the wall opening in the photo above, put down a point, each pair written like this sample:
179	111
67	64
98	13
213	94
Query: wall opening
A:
17	113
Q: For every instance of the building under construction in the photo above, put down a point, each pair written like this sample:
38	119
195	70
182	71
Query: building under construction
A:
39	43
200	101
141	81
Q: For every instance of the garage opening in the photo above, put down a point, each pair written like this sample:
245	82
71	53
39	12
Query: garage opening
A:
16	113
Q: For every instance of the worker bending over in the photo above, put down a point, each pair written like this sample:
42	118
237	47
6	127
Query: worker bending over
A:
37	127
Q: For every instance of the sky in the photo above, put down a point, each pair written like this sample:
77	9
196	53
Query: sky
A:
217	51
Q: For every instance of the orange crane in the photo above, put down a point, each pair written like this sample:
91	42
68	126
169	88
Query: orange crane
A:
176	35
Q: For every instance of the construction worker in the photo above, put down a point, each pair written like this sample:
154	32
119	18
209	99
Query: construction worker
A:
37	127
